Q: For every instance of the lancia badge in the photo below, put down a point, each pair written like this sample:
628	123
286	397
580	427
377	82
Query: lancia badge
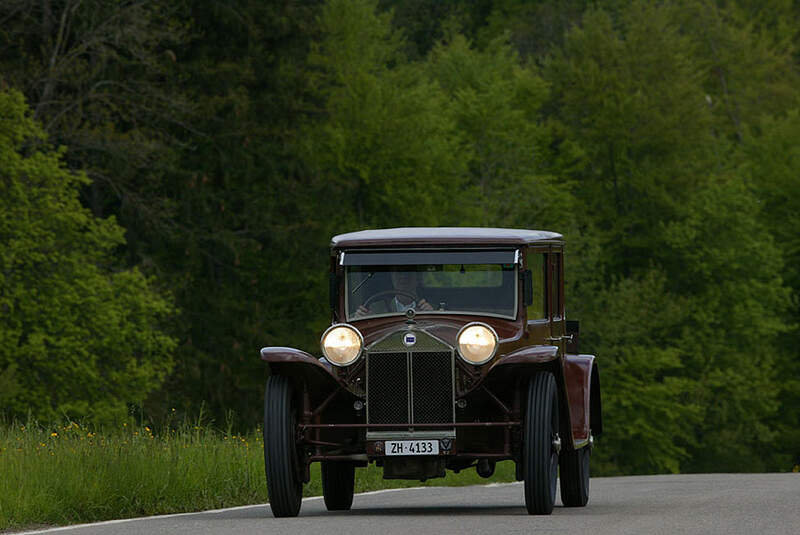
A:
409	339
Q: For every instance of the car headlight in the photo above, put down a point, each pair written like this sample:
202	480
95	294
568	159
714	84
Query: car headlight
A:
341	344
477	343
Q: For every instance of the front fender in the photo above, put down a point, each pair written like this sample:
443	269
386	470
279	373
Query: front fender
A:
514	370
527	355
583	391
522	362
303	370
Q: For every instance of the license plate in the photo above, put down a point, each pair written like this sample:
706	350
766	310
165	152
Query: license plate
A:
412	447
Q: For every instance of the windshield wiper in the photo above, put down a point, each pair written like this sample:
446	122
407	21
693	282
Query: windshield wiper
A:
360	284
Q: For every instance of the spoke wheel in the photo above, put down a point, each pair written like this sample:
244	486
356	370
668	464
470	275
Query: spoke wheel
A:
540	445
575	477
281	460
338	482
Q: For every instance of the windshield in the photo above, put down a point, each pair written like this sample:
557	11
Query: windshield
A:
384	290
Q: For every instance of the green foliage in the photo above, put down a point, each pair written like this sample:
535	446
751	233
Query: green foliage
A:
729	269
496	104
387	154
77	336
771	164
667	199
231	140
629	97
72	473
648	402
746	57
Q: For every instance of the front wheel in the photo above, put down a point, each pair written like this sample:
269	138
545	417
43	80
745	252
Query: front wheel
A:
284	485
338	483
541	445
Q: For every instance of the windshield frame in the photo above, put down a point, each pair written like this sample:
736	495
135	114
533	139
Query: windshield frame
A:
478	261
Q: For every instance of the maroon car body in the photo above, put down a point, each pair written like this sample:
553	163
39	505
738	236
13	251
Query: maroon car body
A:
477	414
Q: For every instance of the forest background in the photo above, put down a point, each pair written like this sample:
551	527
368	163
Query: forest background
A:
171	173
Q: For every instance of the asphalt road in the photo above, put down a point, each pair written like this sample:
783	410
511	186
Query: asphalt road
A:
730	504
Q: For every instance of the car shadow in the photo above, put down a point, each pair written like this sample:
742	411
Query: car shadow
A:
433	510
317	509
379	511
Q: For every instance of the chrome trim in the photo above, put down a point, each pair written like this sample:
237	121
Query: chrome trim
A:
360	349
558	338
496	342
410	351
389	435
410	384
368	349
438	248
437	312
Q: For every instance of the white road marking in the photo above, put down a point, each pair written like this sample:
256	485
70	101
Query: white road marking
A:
212	511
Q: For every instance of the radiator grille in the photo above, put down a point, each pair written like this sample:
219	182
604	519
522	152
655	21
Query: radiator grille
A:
402	393
432	387
387	388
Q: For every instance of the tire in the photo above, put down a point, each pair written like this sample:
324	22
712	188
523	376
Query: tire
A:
540	456
338	482
575	477
282	467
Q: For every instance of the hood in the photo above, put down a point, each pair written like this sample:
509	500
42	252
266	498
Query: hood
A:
446	329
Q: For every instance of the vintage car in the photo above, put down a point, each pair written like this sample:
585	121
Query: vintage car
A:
448	349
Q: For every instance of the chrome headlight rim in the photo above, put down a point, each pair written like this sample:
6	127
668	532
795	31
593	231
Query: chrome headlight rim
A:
360	347
474	324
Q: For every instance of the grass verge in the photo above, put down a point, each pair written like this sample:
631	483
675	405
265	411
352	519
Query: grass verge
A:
70	474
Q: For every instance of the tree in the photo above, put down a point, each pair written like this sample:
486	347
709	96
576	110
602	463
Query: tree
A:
496	104
103	80
666	194
385	151
649	411
628	93
770	161
78	336
728	270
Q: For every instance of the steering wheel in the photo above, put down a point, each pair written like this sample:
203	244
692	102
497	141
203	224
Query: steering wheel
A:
385	293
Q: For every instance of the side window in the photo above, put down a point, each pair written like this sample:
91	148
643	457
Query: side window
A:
538	309
555	287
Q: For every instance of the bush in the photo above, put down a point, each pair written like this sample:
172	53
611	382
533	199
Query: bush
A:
77	336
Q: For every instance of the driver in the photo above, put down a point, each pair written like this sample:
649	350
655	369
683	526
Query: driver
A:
406	282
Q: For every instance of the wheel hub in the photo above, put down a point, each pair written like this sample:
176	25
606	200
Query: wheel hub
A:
556	443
